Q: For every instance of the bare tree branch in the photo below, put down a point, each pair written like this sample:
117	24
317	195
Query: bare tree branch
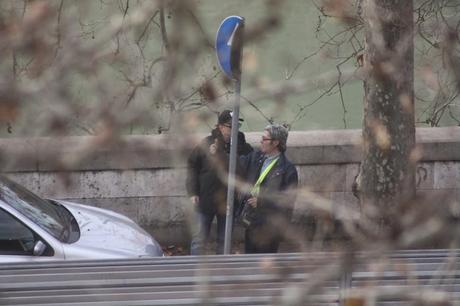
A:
323	45
164	35
117	36
269	120
144	31
58	29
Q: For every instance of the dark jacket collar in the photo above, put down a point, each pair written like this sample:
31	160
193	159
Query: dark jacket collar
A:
216	134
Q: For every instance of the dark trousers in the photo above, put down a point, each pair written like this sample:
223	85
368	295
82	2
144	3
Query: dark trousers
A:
260	239
200	235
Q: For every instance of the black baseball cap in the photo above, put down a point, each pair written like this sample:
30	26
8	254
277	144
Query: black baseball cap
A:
226	117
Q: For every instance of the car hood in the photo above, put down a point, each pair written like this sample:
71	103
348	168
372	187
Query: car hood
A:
106	234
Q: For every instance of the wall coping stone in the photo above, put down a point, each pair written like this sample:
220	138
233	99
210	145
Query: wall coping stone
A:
93	153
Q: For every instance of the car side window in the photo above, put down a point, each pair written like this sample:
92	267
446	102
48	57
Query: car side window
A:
15	237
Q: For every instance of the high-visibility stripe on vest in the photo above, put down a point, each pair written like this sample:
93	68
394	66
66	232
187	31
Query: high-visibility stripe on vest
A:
256	188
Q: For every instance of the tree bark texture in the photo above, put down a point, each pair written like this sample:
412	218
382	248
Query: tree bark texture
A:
387	170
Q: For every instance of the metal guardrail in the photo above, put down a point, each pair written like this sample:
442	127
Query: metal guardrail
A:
317	278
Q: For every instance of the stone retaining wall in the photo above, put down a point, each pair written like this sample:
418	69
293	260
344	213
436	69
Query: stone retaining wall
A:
143	177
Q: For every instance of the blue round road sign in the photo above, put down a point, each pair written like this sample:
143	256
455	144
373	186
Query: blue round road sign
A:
229	43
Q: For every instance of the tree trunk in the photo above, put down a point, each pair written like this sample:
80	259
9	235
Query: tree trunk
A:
387	170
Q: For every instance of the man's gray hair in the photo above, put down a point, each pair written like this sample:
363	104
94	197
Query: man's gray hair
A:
280	133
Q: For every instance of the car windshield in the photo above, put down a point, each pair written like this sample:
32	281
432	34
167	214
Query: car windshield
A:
43	213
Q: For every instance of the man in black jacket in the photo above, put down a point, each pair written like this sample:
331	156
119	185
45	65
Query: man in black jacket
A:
207	181
270	201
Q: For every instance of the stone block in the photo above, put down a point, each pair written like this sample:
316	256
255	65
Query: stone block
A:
437	196
19	154
30	180
345	206
446	175
311	203
162	211
424	176
112	184
351	172
170	182
321	178
98	184
60	185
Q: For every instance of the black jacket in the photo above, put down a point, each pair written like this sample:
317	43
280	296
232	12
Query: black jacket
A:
207	173
277	192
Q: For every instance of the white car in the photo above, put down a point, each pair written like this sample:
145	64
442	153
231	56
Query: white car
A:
35	229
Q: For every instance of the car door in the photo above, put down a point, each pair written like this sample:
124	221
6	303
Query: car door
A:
19	243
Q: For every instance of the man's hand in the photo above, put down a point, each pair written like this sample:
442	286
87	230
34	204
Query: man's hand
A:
195	200
252	202
213	147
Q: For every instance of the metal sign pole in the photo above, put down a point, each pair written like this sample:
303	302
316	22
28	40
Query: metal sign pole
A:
229	45
232	168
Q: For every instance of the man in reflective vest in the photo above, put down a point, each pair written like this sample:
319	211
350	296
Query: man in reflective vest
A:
269	203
